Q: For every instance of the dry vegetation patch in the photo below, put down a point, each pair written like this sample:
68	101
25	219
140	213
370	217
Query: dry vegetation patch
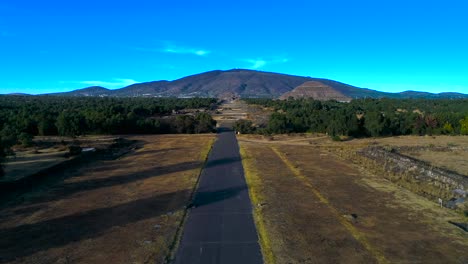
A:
298	226
47	152
400	226
455	159
118	211
434	141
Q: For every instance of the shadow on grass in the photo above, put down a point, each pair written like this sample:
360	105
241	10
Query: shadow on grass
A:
25	240
152	152
57	173
61	190
28	239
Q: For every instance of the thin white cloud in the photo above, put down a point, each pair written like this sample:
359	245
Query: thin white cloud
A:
259	63
171	47
256	64
182	50
115	83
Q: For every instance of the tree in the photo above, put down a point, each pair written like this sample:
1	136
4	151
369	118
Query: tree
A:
374	123
70	124
431	123
7	140
370	117
148	126
447	129
79	115
204	123
244	126
185	124
464	126
2	157
343	123
46	127
337	124
8	137
278	123
25	139
404	124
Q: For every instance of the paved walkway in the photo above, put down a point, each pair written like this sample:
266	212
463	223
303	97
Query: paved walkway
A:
220	227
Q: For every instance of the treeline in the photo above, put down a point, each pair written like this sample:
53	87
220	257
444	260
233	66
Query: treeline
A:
364	117
22	117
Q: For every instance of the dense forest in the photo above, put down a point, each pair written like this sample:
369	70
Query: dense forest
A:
364	117
22	117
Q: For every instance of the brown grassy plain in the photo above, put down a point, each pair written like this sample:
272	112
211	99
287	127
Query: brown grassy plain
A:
47	152
311	206
117	211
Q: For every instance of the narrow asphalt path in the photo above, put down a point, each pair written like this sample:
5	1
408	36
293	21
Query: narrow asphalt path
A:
220	226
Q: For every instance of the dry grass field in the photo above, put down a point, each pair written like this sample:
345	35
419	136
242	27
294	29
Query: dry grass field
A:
117	211
448	152
311	206
451	158
26	163
47	152
436	141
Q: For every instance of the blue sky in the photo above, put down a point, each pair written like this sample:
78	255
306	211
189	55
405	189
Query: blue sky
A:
49	46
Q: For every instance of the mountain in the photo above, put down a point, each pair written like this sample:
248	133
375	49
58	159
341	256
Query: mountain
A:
416	94
142	89
316	90
20	94
89	91
244	84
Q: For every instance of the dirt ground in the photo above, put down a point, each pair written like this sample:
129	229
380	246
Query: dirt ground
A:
47	152
455	159
313	207
448	152
26	163
117	211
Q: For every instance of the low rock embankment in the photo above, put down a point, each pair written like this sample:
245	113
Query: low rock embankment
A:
421	177
117	148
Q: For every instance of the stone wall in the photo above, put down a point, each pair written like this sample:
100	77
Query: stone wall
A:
423	178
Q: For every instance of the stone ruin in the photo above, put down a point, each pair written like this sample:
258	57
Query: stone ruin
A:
448	185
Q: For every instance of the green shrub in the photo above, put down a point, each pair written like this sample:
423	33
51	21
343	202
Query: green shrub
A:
389	148
244	126
464	126
74	150
447	129
25	139
2	172
2	156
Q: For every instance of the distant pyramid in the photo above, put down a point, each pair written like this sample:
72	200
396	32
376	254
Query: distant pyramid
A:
317	91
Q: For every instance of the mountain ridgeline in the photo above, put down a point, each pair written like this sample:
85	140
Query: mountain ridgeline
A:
251	84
